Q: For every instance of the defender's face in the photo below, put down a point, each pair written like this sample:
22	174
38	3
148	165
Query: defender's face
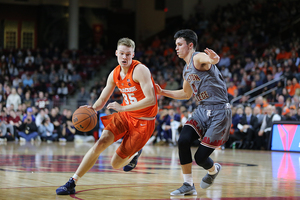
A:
124	55
182	48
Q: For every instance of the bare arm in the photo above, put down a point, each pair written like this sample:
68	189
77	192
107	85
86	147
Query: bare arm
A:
203	60
185	93
141	75
106	93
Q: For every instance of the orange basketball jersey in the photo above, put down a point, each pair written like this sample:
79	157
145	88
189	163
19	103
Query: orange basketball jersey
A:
132	92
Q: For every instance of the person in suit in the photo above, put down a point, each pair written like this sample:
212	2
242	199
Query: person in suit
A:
248	127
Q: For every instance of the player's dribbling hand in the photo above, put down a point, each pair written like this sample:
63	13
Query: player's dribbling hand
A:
212	55
115	106
90	107
158	89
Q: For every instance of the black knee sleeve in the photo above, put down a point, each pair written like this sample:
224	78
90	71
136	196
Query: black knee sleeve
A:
202	157
186	138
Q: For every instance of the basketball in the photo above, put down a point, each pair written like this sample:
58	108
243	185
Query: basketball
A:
84	119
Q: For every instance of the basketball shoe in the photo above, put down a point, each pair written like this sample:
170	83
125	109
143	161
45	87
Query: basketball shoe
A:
68	188
208	179
133	162
185	189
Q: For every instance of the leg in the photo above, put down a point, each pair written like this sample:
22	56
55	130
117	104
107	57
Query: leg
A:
90	158
117	162
202	159
32	135
186	138
23	135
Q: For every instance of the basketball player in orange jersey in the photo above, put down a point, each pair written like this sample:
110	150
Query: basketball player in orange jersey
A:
134	120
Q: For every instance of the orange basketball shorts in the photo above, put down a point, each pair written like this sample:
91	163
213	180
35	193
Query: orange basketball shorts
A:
135	132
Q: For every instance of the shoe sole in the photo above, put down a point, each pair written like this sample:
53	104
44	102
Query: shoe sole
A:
66	193
194	193
204	185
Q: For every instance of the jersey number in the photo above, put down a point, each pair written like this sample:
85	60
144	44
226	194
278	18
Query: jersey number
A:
129	98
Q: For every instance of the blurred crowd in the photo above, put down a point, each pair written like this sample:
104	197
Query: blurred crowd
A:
259	50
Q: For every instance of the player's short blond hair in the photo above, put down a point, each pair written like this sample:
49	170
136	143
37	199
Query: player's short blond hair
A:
126	42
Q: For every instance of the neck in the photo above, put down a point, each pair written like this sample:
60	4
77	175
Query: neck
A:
188	58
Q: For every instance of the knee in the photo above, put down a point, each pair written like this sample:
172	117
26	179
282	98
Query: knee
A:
115	165
199	160
203	161
183	142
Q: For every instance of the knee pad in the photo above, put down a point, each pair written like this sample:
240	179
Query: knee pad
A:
202	157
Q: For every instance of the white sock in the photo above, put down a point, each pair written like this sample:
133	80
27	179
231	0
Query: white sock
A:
75	178
188	178
213	172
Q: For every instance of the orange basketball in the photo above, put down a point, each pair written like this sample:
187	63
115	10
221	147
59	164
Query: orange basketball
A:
84	119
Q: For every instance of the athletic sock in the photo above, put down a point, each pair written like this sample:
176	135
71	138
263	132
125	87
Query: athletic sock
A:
188	178
75	178
213	172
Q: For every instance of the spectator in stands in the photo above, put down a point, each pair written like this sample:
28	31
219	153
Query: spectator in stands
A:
224	60
82	97
285	94
63	92
67	116
42	102
46	130
40	117
172	84
265	129
65	76
29	112
15	121
297	115
14	99
17	82
28	80
258	113
174	123
164	132
56	120
287	115
29	57
248	127
76	79
28	130
28	101
4	135
249	64
295	86
13	71
68	131
38	60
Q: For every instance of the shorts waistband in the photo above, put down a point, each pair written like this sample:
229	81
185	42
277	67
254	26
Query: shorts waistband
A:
216	107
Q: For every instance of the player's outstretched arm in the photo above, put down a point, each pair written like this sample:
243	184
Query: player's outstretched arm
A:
106	93
183	94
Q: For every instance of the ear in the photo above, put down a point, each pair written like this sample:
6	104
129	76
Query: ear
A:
132	56
116	53
191	45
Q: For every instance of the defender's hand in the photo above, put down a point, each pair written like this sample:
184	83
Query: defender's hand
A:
158	89
212	55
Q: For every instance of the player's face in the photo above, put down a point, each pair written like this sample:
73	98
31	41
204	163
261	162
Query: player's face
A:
182	48
124	55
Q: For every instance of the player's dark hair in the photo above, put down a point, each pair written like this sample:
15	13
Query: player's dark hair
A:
188	35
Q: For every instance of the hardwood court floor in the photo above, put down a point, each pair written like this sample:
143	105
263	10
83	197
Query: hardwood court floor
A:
34	171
